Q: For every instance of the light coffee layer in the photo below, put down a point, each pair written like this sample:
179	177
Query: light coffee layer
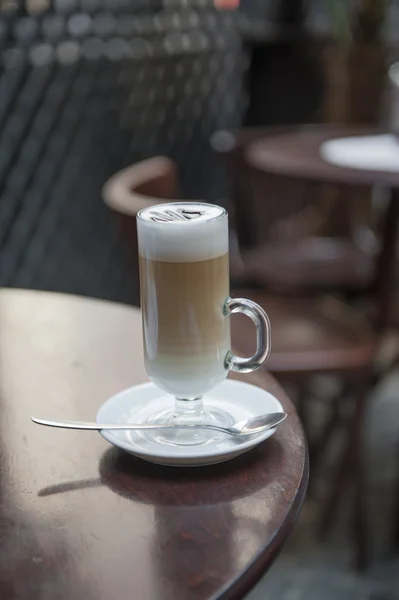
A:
186	335
182	232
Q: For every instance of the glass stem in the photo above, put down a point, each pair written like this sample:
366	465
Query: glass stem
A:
189	407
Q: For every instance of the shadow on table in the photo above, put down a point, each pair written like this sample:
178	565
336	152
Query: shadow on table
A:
145	482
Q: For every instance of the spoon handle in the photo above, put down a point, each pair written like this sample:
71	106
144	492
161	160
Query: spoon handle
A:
87	425
266	422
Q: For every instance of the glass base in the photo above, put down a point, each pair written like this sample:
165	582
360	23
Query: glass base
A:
188	412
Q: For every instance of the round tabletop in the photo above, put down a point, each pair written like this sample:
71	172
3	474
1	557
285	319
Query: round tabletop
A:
297	154
80	519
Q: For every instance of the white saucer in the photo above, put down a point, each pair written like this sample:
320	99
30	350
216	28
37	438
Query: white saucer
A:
241	400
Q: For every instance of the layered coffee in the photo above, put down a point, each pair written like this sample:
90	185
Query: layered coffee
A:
184	279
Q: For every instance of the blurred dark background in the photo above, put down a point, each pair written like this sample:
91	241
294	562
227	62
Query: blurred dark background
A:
89	86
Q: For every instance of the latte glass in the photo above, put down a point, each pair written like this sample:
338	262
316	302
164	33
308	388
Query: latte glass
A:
184	281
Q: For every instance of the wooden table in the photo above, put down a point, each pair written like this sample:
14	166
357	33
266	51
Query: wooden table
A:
81	520
297	155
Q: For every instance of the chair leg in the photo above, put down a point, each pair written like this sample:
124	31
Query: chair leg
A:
318	447
330	509
302	406
352	465
331	424
360	521
395	541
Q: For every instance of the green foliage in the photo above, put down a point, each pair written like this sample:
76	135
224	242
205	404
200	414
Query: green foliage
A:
363	23
340	21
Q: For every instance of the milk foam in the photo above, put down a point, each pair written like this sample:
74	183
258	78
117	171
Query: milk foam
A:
182	232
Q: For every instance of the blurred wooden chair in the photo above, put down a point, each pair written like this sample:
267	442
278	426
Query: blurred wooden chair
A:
300	236
294	234
132	189
311	335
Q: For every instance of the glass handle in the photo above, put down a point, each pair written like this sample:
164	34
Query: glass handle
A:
263	337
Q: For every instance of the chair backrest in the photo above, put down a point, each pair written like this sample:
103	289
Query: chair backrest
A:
143	184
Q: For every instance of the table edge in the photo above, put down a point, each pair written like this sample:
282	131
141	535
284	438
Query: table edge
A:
245	581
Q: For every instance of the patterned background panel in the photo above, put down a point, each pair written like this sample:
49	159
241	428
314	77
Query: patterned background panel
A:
85	89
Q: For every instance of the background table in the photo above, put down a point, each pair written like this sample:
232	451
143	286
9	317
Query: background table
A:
78	518
297	155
